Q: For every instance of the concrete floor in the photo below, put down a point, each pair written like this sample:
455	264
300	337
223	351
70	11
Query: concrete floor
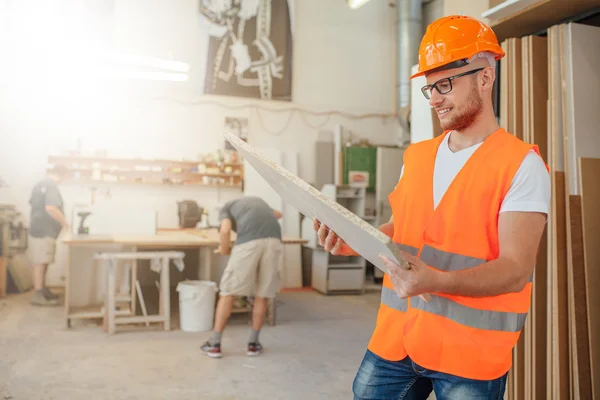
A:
312	353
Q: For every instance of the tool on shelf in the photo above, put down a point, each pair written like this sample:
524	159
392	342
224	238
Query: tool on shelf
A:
83	230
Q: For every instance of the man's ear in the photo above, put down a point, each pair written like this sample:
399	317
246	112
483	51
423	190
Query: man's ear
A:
488	76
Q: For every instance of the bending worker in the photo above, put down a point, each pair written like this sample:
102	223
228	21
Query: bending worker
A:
469	211
252	268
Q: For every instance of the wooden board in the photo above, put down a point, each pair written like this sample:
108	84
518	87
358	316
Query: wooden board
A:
559	347
551	233
582	79
589	173
578	141
364	238
504	85
537	88
529	327
515	124
516	88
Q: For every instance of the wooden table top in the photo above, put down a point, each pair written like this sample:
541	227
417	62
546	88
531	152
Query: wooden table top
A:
163	237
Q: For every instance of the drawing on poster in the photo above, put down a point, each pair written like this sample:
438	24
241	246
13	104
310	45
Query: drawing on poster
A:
249	48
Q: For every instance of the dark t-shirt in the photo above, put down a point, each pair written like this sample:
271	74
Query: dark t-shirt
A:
44	193
251	219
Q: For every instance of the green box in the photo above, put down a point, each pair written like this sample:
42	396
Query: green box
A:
359	158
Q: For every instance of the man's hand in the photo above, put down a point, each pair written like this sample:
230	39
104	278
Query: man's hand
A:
223	251
331	242
420	279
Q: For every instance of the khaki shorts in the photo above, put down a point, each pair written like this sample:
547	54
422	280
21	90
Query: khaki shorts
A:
41	250
253	269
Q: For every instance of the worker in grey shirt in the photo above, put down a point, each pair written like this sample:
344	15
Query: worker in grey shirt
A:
47	220
252	268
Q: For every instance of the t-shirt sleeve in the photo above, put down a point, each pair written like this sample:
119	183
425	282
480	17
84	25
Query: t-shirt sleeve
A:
52	195
530	190
225	212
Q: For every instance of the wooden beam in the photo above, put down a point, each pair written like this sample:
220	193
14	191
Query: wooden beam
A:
524	17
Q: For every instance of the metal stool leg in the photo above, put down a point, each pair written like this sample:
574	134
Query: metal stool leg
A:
111	304
165	295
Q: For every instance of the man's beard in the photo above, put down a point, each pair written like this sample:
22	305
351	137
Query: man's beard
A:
467	116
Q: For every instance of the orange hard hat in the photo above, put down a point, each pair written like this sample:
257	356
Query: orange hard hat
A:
452	41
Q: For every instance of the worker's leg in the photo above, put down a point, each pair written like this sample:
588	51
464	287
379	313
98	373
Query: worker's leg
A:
448	387
238	279
39	276
223	312
267	287
259	310
41	253
382	379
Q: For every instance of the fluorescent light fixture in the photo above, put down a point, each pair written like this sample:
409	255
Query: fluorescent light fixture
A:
138	60
148	75
354	4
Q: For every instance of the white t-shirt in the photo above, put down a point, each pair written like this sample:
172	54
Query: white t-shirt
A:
529	191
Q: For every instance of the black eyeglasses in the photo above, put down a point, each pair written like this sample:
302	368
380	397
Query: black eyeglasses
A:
444	86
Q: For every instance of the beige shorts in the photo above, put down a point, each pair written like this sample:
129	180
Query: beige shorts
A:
41	250
253	269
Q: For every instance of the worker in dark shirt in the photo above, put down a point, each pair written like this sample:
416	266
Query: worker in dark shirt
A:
47	220
252	268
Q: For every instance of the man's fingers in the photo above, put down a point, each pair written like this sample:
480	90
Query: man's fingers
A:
336	248
316	224
330	240
322	233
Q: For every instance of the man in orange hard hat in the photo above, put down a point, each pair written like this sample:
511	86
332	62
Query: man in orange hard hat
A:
469	211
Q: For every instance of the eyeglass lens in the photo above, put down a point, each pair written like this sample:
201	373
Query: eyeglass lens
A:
443	86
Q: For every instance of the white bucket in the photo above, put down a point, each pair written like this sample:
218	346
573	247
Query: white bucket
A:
196	305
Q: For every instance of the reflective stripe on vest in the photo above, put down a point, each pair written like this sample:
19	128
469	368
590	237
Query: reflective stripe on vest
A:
390	298
409	249
445	261
448	262
472	317
464	315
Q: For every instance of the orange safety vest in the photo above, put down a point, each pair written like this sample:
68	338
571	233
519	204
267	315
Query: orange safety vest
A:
463	336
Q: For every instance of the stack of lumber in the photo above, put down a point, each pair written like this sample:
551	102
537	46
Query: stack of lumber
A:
548	96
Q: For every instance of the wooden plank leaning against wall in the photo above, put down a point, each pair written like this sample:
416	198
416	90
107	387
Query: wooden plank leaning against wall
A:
558	381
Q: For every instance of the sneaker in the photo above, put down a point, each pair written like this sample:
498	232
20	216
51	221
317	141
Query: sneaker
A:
49	295
254	349
40	299
212	350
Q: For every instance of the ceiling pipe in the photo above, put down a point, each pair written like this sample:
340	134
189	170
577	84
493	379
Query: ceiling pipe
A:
409	31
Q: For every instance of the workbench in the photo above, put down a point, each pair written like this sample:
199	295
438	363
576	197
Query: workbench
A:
85	299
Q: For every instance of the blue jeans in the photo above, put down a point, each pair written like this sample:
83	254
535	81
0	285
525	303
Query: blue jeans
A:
405	380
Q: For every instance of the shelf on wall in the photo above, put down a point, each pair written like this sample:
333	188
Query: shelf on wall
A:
517	18
101	170
94	182
57	159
